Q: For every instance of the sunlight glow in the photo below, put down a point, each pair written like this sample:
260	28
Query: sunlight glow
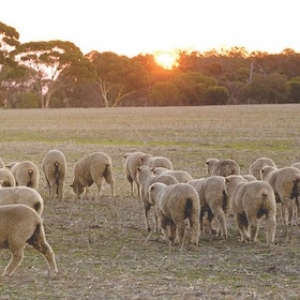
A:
166	59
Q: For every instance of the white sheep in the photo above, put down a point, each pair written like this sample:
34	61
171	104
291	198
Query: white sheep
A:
54	166
131	161
156	161
224	167
145	178
181	176
22	195
213	200
7	178
250	201
173	205
26	173
249	177
90	169
286	185
258	164
21	225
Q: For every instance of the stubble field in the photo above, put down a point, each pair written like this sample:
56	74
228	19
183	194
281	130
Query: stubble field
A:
100	245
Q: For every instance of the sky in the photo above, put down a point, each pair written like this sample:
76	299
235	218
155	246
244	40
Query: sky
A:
132	27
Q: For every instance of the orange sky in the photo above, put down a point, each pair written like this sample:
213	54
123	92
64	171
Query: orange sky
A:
131	27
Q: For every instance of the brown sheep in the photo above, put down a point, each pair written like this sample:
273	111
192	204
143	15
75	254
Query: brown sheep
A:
21	225
286	185
173	205
156	161
181	176
130	162
54	167
26	173
91	169
224	167
213	200
7	178
145	178
250	201
258	164
22	195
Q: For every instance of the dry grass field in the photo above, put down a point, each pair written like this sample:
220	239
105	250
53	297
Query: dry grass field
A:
100	245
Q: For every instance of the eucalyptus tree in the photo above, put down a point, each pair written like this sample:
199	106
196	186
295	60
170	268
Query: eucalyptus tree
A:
117	76
49	64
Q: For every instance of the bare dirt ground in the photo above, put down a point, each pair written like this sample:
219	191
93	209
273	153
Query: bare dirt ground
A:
100	245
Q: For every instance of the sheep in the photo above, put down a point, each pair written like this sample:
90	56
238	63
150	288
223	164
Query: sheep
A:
26	173
296	165
130	162
145	178
11	164
22	195
249	177
2	164
7	178
173	205
258	164
90	169
181	176
250	201
156	161
223	167
21	225
54	166
213	200
286	185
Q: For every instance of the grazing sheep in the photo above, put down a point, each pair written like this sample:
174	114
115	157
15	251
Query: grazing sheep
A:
181	176
286	185
7	178
213	200
11	164
173	205
54	167
19	224
250	201
131	161
91	169
145	178
26	173
223	167
258	164
156	161
22	195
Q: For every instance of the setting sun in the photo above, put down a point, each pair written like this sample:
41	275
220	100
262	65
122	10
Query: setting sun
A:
167	60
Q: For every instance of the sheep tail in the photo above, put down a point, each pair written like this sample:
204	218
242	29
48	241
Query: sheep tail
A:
295	190
37	206
30	174
33	239
188	207
106	170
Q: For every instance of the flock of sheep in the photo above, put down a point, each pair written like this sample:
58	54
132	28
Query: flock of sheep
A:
178	199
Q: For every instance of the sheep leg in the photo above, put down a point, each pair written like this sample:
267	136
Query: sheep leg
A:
220	216
271	226
195	229
181	234
172	236
110	180
243	226
43	247
17	257
253	230
147	208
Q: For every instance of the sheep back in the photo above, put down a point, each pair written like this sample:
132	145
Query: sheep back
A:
26	173
54	166
22	195
181	176
156	161
224	167
7	178
91	169
258	164
174	204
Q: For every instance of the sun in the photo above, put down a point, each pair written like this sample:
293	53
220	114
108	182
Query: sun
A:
167	60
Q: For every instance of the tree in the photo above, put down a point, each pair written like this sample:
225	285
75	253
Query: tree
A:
164	94
46	61
117	76
217	95
294	90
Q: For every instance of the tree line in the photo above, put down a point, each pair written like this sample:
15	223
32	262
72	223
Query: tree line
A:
56	74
